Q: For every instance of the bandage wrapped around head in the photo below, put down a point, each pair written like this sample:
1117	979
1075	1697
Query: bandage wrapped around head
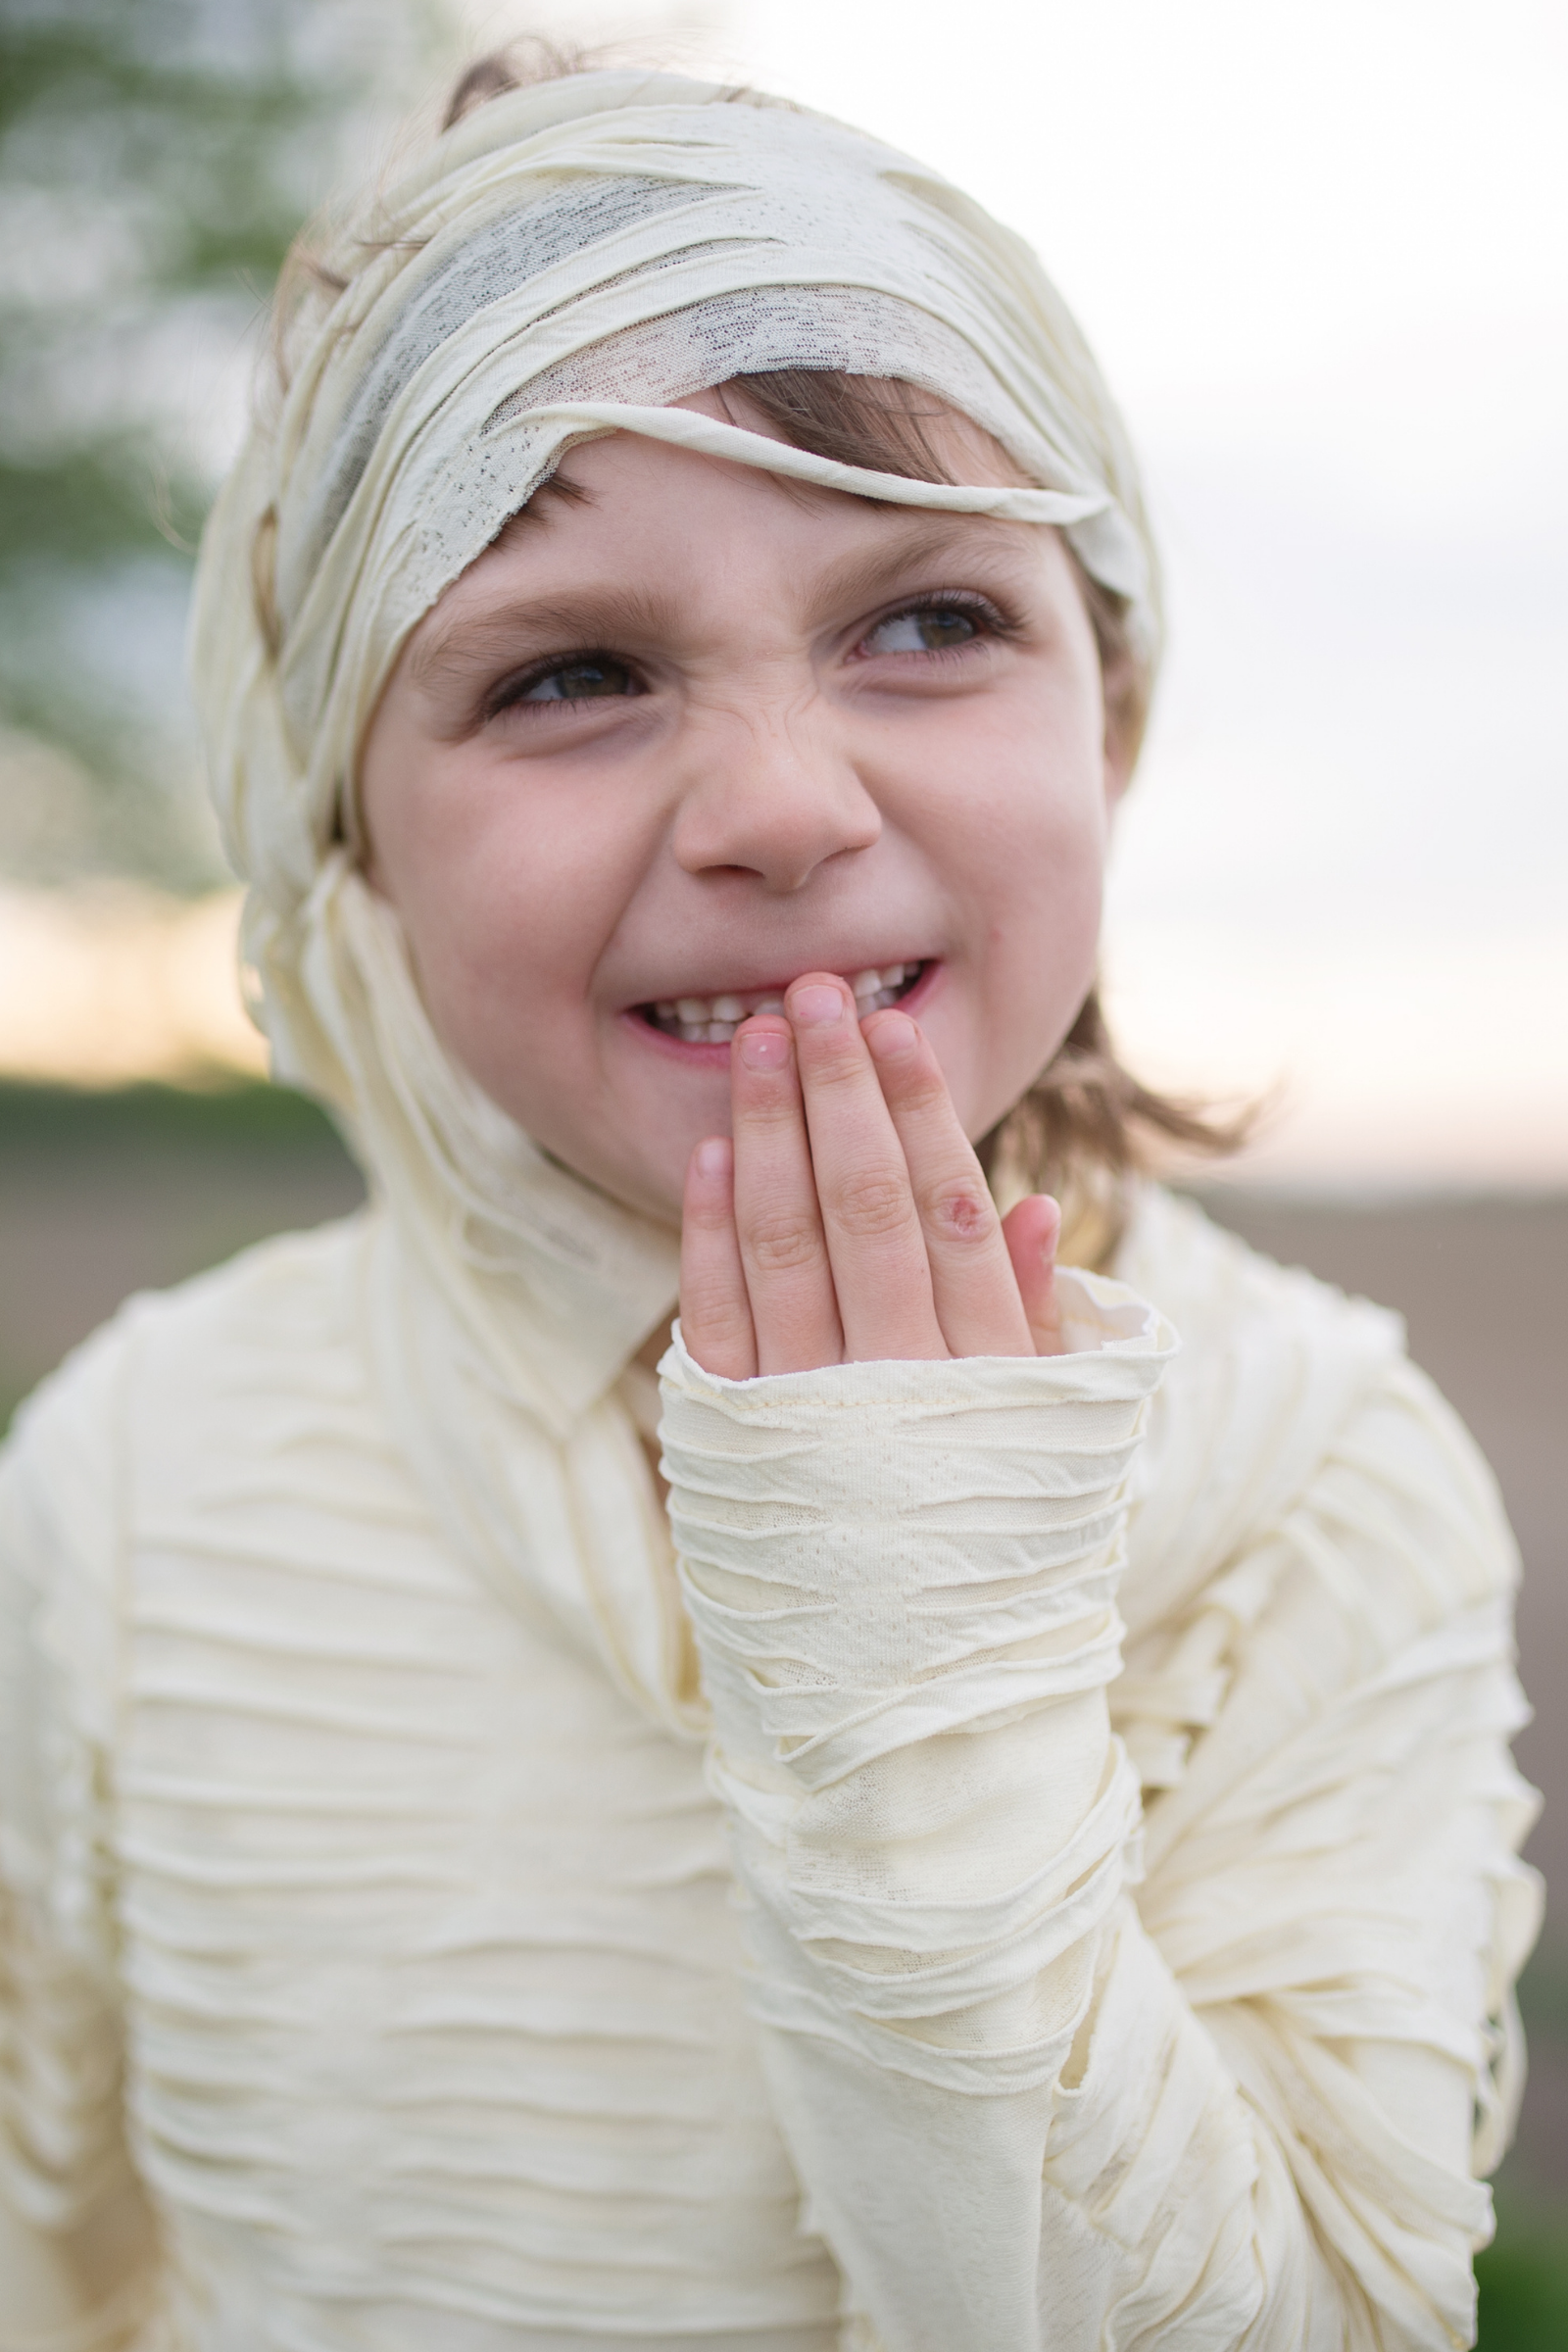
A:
567	261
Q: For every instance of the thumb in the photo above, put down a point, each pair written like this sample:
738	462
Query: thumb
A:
1031	1231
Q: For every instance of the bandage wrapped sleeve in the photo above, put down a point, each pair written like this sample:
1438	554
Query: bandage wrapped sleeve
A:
1021	2121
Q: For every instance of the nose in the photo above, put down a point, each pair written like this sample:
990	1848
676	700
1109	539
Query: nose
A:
771	791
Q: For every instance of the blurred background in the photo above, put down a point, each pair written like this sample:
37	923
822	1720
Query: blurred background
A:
1321	253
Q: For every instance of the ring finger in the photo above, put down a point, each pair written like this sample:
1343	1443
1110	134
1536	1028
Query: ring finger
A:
973	1283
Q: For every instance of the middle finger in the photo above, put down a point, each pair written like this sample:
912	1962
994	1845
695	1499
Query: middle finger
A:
881	1272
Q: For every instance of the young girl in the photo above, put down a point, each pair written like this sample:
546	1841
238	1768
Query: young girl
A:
1014	1847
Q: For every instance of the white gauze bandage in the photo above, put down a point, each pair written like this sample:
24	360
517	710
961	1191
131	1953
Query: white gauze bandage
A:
565	263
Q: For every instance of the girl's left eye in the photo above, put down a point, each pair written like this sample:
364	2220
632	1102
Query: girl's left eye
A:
925	629
588	678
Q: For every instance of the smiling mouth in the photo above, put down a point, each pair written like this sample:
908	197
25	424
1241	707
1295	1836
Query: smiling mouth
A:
713	1020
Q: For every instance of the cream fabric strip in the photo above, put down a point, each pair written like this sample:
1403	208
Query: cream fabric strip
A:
684	429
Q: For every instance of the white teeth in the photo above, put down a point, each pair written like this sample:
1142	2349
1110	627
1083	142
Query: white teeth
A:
713	1020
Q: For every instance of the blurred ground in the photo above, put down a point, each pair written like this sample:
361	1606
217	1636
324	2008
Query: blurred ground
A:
102	1193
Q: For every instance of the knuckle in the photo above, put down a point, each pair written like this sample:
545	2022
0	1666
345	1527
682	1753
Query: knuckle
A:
721	1322
711	1290
870	1204
706	1216
782	1241
922	1087
834	1061
719	1338
960	1210
773	1112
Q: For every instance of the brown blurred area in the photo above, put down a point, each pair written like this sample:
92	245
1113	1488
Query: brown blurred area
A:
101	1196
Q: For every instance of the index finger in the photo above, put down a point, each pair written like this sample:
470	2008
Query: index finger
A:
789	1277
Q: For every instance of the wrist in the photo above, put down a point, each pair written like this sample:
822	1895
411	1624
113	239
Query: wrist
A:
878	1553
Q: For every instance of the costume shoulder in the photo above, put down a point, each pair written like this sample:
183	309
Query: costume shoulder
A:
1272	1363
1291	1421
1278	1374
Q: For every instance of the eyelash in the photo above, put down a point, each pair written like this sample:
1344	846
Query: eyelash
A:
996	624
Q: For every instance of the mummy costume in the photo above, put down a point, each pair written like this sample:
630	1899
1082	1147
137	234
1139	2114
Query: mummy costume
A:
1022	1854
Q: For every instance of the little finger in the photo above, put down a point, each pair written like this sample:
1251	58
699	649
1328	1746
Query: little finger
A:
1032	1230
716	1313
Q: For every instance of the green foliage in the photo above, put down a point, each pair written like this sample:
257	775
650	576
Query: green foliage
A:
248	1116
1524	2291
156	158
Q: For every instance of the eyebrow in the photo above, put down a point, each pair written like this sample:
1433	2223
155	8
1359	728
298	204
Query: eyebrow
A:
456	649
925	538
502	633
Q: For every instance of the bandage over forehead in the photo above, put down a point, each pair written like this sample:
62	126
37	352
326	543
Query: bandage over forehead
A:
567	262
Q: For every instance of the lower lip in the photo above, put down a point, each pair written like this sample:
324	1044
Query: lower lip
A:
717	1058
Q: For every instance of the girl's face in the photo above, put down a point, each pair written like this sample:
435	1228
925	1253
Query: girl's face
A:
687	732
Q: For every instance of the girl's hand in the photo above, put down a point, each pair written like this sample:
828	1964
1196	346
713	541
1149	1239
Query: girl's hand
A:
851	1221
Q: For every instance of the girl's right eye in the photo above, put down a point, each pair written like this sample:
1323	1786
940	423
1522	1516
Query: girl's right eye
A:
585	678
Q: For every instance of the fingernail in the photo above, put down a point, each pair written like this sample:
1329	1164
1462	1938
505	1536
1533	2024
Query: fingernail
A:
764	1048
890	1035
713	1156
815	1007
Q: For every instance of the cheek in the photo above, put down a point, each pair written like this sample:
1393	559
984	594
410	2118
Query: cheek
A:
1024	815
1029	857
509	896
